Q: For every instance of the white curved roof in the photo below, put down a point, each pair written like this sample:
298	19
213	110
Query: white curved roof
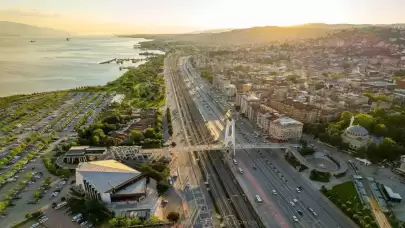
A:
106	174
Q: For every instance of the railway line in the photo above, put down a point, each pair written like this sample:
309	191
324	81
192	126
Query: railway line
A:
219	176
194	124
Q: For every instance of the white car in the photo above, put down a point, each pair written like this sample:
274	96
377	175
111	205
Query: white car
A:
298	190
292	203
295	218
274	192
295	200
43	220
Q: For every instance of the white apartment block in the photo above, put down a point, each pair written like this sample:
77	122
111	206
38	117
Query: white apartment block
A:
245	101
285	128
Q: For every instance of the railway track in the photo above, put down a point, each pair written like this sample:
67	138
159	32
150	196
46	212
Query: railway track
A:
219	174
194	124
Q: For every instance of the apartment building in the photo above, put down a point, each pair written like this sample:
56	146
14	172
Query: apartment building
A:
285	128
300	111
243	87
245	101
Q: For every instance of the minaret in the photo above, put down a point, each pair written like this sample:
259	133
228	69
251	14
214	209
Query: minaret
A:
351	121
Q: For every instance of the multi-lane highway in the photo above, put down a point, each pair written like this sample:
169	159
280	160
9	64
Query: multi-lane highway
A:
266	170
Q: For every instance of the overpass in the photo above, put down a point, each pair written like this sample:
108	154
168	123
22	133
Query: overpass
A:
210	147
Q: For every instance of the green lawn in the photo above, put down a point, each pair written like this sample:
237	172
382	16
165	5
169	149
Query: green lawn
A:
345	192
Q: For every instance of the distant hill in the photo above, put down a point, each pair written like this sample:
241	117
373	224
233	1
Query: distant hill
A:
16	29
212	31
330	26
245	36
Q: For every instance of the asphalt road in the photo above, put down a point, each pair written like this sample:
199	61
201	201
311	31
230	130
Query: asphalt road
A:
277	210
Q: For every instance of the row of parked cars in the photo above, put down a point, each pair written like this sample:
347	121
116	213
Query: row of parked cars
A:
80	220
41	220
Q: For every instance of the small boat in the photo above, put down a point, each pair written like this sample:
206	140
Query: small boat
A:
67	39
33	41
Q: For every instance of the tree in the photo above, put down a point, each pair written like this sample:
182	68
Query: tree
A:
365	120
135	221
99	133
37	195
173	217
63	199
54	205
47	181
136	136
162	187
307	151
153	220
95	140
113	222
149	133
28	216
346	116
380	130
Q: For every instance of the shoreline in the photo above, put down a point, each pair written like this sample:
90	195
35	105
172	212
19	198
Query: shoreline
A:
122	69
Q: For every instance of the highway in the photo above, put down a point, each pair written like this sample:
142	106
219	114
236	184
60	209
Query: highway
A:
266	170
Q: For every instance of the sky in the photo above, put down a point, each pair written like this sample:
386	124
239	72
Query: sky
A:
176	16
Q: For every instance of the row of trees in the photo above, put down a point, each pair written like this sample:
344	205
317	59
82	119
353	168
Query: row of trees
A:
134	222
69	118
55	170
160	173
40	145
388	129
173	217
29	109
169	122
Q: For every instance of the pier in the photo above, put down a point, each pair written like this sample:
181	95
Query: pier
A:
121	61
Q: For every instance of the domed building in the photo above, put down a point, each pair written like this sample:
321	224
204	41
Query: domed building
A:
356	136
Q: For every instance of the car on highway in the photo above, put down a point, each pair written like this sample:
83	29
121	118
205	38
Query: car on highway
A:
312	211
258	199
240	170
300	212
292	203
295	218
298	190
295	200
274	192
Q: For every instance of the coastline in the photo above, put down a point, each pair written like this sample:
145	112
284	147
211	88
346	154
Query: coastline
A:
54	64
121	68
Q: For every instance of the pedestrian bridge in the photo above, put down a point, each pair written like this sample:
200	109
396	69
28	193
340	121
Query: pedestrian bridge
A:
210	147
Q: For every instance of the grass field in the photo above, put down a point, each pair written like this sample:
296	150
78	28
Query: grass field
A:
346	192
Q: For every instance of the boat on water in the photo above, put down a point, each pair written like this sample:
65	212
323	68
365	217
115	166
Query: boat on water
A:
67	39
33	41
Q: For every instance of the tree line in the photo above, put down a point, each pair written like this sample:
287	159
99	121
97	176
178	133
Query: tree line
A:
386	128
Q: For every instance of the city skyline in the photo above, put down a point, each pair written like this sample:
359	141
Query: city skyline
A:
176	16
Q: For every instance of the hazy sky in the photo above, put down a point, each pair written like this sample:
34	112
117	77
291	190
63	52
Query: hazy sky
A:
154	16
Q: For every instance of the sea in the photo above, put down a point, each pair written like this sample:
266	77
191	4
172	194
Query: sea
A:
53	63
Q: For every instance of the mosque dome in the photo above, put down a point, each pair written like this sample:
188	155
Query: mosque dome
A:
356	131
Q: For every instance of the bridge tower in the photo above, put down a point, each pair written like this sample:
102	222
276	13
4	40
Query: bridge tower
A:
229	139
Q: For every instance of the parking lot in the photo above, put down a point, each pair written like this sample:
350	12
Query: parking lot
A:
24	139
